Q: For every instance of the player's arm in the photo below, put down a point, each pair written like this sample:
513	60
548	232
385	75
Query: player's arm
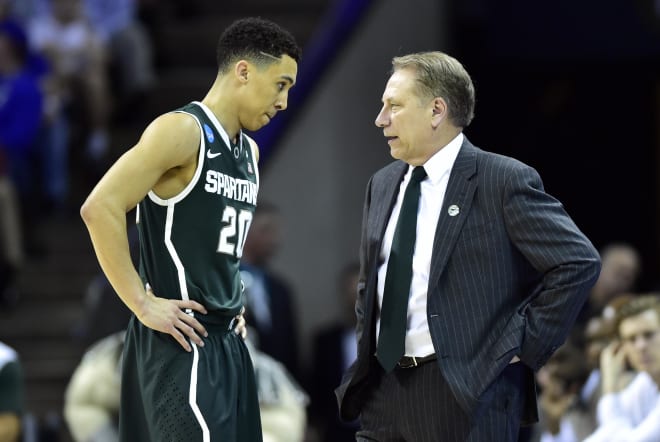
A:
169	144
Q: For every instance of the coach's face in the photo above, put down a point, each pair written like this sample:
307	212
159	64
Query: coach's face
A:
408	121
640	335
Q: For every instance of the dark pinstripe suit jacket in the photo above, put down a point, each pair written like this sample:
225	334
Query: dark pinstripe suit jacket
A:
508	277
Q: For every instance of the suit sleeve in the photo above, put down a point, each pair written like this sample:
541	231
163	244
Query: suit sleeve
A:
360	303
542	231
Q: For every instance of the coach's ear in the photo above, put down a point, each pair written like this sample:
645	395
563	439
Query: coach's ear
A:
438	112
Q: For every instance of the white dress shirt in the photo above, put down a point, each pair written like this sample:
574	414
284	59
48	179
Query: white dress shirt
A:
566	433
632	415
433	188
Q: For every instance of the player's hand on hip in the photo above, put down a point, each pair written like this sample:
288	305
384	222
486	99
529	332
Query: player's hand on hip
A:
174	317
241	328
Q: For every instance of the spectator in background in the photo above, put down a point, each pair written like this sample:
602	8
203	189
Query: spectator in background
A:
269	300
128	45
282	402
11	247
15	9
21	104
562	416
20	118
79	69
52	144
11	394
91	400
598	333
334	350
621	266
22	10
632	414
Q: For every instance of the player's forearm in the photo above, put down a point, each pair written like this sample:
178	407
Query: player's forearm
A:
107	230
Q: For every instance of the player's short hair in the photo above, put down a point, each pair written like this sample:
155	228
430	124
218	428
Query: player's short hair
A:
255	39
440	75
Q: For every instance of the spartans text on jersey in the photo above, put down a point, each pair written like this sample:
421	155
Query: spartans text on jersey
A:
230	187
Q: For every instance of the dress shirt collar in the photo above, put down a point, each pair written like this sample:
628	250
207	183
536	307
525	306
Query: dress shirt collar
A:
443	160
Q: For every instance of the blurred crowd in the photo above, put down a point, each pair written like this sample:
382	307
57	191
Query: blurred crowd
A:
65	67
68	66
603	383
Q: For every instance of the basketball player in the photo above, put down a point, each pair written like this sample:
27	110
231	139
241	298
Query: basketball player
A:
193	177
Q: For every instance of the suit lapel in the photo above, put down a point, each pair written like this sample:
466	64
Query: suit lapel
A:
384	197
455	208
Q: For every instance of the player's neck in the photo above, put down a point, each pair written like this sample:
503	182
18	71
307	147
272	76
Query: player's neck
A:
220	101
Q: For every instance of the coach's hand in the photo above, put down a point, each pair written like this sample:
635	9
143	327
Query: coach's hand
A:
169	316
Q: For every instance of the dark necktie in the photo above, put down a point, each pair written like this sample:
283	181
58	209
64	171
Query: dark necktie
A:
394	311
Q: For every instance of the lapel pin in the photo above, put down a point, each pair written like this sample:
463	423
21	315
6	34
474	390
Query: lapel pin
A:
453	210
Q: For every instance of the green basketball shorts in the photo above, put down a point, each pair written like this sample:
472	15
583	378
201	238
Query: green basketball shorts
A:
170	395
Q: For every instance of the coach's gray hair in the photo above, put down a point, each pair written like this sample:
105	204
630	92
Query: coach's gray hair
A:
440	75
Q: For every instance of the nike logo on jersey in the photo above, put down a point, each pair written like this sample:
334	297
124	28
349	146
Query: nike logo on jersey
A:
210	154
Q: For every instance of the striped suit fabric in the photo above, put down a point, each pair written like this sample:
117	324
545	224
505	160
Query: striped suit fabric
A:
508	276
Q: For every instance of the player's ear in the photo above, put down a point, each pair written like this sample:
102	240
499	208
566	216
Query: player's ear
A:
241	70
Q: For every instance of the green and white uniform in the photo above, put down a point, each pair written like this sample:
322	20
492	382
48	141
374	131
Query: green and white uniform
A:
11	382
190	247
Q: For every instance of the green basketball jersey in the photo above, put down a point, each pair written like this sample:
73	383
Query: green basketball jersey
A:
190	244
11	381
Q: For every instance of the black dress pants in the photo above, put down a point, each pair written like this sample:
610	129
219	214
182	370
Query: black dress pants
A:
417	405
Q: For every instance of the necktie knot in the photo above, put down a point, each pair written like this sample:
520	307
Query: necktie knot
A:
418	174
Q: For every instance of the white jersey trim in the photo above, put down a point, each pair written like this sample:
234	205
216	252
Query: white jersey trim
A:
192	397
7	355
221	130
180	270
253	149
181	276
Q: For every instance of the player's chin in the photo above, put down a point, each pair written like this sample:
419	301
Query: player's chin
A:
259	124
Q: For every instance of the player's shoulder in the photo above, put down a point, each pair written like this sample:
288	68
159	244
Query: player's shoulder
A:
173	128
174	122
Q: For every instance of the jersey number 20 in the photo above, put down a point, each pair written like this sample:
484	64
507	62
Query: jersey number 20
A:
233	234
